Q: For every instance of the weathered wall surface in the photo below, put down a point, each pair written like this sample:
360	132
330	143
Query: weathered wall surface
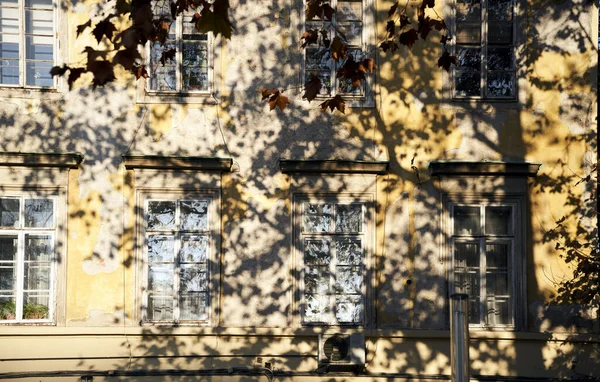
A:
414	122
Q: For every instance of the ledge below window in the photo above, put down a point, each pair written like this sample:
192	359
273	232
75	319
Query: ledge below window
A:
64	160
333	166
177	163
455	168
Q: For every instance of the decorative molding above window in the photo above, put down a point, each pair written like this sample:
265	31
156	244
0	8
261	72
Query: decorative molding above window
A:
333	166
65	160
450	168
177	163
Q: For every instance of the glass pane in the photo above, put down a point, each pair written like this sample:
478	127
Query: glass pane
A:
316	280
9	71
500	58
353	34
501	84
349	251
38	73
195	79
498	312
497	284
9	47
38	248
39	48
468	10
317	217
9	212
318	59
468	34
39	22
38	3
192	306
37	276
466	255
348	218
161	215
346	85
349	309
469	58
500	33
466	282
316	252
162	77
9	20
194	215
468	84
498	220
8	307
39	213
8	248
474	315
160	308
194	249
161	249
193	278
325	78
195	53
348	280
36	306
466	220
195	66
9	3
8	276
317	308
349	11
160	277
500	10
496	256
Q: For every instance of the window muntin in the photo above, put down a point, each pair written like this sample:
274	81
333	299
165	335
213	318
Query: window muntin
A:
27	259
348	20
178	243
333	262
485	48
483	242
27	51
189	70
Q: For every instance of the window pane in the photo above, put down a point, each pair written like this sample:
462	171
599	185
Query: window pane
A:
466	255
163	77
195	66
348	280
161	215
160	277
194	249
349	251
469	58
37	276
195	79
500	33
9	213
39	48
192	306
500	58
36	306
9	20
500	84
317	308
349	309
468	10
39	213
353	33
316	280
8	307
497	256
348	218
317	217
498	312
161	249
497	283
193	278
160	308
316	252
39	22
498	220
500	10
8	248
466	220
468	84
325	78
194	215
38	3
9	71
318	59
468	34
38	73
345	84
38	248
8	275
349	11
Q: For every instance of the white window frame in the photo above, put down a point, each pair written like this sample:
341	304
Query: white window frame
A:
516	241
22	46
144	196
299	201
366	99
483	96
21	232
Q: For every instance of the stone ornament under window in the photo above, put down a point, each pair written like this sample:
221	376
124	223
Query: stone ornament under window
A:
485	48
27	51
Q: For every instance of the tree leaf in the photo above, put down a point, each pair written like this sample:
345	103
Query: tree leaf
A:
424	27
266	93
123	7
338	49
311	36
276	99
392	9
140	71
409	37
336	102
446	60
445	38
104	28
439	25
389	45
428	3
167	55
214	18
325	38
390	28
312	87
404	21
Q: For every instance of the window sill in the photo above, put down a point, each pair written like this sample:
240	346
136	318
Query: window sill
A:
29	93
478	104
178	98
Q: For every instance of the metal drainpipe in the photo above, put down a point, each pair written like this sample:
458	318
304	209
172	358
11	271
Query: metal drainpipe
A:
459	337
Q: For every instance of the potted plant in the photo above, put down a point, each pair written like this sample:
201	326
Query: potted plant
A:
35	311
8	310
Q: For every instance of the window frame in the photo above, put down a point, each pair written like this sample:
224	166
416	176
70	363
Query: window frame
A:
483	45
143	196
366	99
22	36
366	201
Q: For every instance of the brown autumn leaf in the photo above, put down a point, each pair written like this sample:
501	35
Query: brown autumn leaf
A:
445	38
409	37
404	21
367	65
266	93
446	60
355	70
167	55
103	72
81	28
312	87
325	37
140	71
392	9
276	99
336	102
311	36
390	28
389	45
439	25
424	27
74	74
104	28
428	3
214	18
338	49
122	7
315	9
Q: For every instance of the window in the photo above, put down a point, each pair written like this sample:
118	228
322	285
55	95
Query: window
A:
351	23
187	68
333	242
485	47
483	248
27	43
27	258
178	247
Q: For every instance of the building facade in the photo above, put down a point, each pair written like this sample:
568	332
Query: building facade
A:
175	228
